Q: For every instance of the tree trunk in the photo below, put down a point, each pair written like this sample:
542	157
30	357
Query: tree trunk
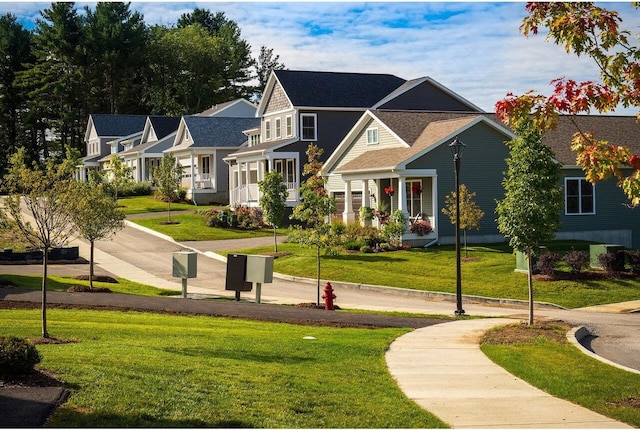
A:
318	273
530	283
275	239
45	261
91	242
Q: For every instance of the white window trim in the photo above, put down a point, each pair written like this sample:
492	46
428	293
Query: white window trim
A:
267	129
315	128
289	125
580	212
278	128
377	140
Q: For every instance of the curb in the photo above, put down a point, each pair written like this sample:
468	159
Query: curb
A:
575	335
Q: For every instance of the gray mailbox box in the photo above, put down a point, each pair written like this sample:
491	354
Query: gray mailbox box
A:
185	265
259	270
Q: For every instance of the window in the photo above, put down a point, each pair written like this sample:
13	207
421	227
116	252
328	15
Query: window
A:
278	128
308	121
413	192
289	124
579	196
286	168
254	139
267	130
206	166
372	136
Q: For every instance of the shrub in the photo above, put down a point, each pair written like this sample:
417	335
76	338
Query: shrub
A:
612	262
353	245
633	257
546	263
181	194
366	249
136	189
577	260
338	228
216	218
365	213
247	218
17	356
369	234
394	229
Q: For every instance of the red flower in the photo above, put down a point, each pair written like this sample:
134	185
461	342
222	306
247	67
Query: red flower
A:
389	190
416	188
634	162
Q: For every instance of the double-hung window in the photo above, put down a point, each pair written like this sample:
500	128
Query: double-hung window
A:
309	128
278	128
372	136
267	130
289	125
579	197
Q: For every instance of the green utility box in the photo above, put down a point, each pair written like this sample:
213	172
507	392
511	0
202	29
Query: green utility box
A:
601	248
522	260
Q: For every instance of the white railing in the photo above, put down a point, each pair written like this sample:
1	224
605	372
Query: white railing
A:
251	194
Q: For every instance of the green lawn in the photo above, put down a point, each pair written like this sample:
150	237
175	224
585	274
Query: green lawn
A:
146	204
192	227
489	272
560	369
134	369
62	283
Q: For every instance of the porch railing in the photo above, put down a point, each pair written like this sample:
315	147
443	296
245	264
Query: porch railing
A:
250	193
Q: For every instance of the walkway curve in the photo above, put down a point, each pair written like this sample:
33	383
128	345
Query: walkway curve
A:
443	370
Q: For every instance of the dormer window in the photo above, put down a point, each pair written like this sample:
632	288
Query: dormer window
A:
186	135
308	126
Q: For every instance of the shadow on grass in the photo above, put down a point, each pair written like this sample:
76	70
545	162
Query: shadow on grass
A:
33	282
74	418
285	359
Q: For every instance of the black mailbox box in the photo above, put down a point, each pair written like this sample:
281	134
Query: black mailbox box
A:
236	272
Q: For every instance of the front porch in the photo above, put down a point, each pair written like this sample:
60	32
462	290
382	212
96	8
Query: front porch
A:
414	196
245	175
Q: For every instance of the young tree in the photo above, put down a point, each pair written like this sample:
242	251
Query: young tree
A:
45	191
470	212
273	201
167	177
314	208
120	173
95	215
592	31
529	214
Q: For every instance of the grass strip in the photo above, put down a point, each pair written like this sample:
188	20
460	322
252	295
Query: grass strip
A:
542	356
135	369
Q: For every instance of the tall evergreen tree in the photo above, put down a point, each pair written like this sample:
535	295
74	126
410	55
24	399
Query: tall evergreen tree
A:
53	82
116	40
265	63
15	42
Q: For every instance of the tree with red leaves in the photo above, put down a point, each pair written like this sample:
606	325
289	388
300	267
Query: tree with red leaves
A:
585	29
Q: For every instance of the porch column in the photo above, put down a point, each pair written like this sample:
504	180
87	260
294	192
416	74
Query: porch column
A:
378	194
366	201
193	173
348	215
247	177
402	195
143	169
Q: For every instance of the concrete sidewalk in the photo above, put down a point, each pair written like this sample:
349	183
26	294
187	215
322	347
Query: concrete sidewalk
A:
442	369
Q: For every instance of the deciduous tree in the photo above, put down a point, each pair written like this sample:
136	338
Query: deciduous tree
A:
529	214
585	30
273	201
470	212
167	177
316	205
45	191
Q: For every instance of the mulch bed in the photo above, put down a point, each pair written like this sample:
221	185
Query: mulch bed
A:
585	276
36	378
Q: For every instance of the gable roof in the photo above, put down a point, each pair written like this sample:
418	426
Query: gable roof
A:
163	125
117	125
221	109
418	131
617	130
455	101
216	132
333	89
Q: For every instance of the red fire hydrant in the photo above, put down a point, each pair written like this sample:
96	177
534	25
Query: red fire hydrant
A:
328	297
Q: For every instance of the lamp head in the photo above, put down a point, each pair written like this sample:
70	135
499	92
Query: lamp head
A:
457	147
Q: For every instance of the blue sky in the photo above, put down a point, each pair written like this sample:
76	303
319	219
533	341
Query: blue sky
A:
474	48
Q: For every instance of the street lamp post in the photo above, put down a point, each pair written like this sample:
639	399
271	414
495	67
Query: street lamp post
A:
456	150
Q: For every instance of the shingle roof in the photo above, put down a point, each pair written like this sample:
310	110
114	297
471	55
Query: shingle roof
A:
617	130
219	132
331	89
117	125
163	125
419	130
